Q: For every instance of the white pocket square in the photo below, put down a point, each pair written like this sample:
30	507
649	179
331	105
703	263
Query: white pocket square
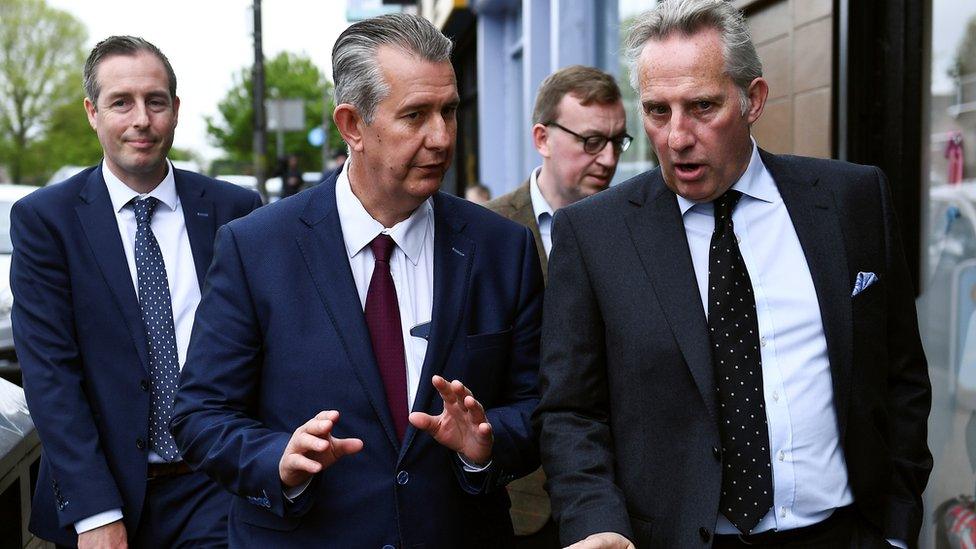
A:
864	280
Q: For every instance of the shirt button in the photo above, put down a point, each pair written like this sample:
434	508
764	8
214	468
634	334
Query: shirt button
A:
775	396
402	478
781	455
762	341
738	239
782	512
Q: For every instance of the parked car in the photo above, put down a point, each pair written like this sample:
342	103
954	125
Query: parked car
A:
64	172
8	358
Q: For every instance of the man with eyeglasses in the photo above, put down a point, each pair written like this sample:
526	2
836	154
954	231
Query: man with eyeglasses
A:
580	130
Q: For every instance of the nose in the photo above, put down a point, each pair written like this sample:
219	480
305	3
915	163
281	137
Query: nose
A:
140	115
608	155
440	132
680	136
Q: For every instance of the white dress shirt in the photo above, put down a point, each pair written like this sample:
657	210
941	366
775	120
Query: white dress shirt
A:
810	476
411	265
542	210
169	228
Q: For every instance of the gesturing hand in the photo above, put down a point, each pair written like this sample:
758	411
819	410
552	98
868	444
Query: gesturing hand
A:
312	448
462	425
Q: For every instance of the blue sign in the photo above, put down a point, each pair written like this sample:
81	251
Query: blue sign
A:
316	136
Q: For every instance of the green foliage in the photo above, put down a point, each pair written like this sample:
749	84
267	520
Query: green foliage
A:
41	54
287	76
965	62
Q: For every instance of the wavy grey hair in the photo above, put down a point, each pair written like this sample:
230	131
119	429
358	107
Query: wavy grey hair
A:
688	17
358	78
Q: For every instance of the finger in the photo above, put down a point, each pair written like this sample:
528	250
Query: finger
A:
459	390
475	409
422	421
331	415
305	443
345	446
444	388
321	428
297	463
484	430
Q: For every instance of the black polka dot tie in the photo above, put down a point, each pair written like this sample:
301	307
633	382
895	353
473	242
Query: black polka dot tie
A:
157	316
747	485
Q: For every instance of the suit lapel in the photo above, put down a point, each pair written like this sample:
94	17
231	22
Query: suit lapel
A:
815	219
453	257
198	215
658	233
102	231
325	255
525	215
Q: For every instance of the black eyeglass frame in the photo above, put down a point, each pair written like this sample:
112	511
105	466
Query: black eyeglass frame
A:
620	142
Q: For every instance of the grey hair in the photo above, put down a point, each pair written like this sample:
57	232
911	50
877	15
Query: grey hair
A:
120	45
688	17
358	78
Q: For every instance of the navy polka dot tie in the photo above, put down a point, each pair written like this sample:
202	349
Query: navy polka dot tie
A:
747	486
157	316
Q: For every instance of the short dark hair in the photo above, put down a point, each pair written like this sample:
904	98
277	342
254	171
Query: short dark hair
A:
121	45
587	84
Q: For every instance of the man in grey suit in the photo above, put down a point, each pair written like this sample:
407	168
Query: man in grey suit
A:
731	354
580	130
576	163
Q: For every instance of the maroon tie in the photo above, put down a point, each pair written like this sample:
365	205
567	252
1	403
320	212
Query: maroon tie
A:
383	320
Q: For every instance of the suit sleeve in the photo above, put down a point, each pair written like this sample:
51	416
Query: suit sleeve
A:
515	450
574	412
54	376
909	392
213	419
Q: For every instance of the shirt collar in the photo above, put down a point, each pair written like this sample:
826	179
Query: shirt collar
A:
359	228
756	182
540	207
121	194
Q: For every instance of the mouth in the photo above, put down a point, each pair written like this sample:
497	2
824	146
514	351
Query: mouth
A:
688	171
141	143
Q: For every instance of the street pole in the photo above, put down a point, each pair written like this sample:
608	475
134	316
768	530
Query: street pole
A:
260	130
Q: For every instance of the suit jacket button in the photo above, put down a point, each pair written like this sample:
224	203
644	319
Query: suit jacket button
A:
402	478
705	534
144	385
140	444
388	547
717	452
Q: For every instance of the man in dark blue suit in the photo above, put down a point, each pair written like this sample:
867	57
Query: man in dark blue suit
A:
106	275
316	386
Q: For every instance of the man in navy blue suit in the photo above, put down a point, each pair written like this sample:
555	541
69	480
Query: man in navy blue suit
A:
106	276
324	401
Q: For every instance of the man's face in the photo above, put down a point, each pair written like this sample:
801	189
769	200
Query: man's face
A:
135	117
693	114
410	143
575	173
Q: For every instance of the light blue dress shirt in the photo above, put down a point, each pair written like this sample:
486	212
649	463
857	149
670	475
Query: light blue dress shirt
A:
810	476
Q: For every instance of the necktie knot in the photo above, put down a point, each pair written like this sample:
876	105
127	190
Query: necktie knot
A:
382	247
144	208
724	205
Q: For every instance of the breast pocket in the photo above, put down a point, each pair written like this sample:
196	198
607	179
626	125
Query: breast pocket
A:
486	361
479	342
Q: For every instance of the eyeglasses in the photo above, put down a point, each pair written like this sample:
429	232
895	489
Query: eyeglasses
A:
593	144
